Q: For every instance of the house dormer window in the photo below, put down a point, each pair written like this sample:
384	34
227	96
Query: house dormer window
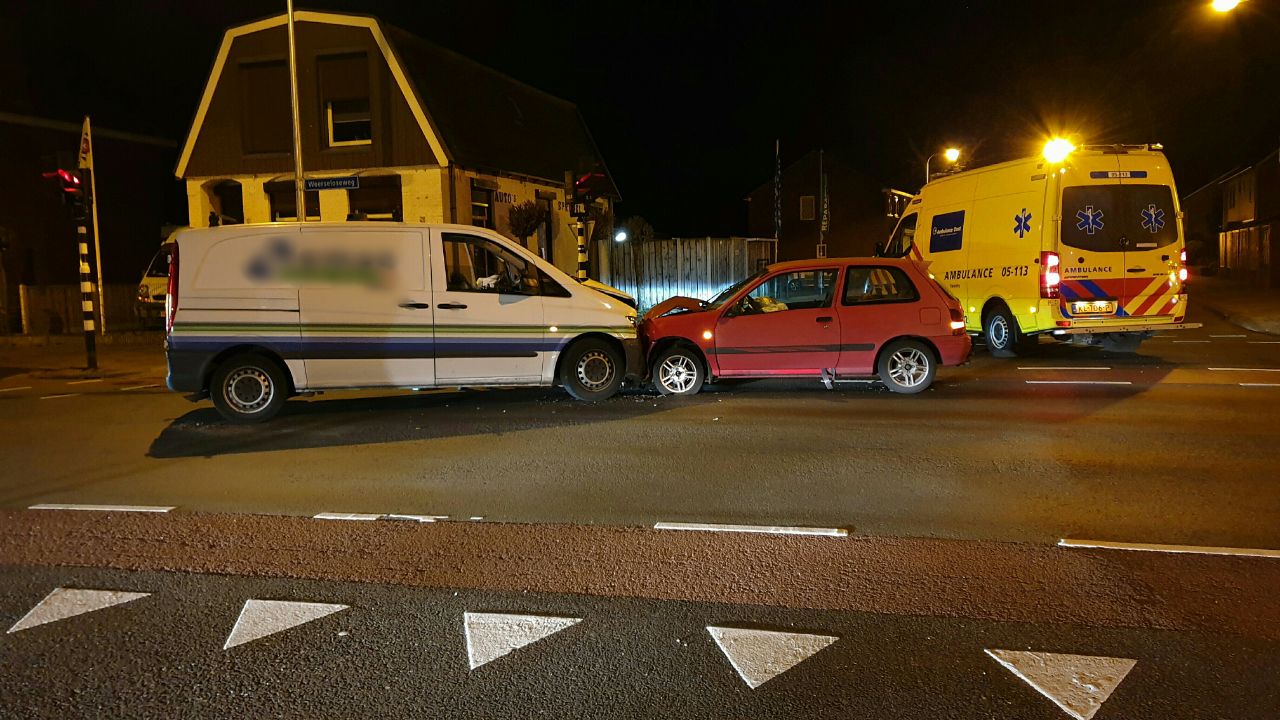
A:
350	122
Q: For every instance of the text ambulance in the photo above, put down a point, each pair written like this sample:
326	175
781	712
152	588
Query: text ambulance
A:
1084	244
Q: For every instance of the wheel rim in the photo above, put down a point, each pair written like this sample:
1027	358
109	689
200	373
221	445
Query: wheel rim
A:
248	390
678	373
908	367
595	370
998	332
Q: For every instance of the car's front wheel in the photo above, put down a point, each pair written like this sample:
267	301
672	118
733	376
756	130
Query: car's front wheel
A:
592	370
907	366
248	388
679	371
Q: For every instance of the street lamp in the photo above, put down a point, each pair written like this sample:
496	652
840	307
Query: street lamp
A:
1224	6
951	155
621	236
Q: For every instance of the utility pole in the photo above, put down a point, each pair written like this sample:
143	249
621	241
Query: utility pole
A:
300	201
85	164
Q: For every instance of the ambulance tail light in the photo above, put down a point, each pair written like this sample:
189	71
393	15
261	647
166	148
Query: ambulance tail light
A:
1050	277
171	299
1182	269
957	321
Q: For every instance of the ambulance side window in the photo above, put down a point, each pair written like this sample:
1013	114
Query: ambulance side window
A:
904	237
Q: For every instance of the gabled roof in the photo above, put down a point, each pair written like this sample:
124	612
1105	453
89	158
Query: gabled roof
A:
470	114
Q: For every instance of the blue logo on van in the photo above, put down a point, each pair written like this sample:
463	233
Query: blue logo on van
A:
946	231
1153	219
1090	220
1022	223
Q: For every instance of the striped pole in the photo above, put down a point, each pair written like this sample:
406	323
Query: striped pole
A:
581	228
86	297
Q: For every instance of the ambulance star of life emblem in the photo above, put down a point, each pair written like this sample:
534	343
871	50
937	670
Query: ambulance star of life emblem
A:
1152	219
1022	223
1090	220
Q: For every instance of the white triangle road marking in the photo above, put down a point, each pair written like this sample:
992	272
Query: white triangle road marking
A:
63	603
1078	684
761	655
492	635
260	618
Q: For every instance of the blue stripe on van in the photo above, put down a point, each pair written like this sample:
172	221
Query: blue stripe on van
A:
371	348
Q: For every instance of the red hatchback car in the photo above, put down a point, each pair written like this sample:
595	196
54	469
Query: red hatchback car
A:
823	319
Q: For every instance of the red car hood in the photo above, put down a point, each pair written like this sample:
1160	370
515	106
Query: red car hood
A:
670	304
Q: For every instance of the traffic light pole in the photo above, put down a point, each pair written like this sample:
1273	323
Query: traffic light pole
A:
581	228
86	294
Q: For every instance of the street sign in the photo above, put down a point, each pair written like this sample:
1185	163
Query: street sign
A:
822	250
337	183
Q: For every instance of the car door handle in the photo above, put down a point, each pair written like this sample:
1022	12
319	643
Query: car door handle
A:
825	318
415	305
1137	270
452	306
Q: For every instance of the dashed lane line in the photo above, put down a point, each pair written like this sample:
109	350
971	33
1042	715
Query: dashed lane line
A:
1259	384
762	529
140	387
1228	336
346	516
378	516
55	397
1077	382
1192	341
85	382
104	508
1264	342
1245	369
1059	367
1182	549
12	389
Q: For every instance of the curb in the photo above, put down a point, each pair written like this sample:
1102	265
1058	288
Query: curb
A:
1245	323
125	338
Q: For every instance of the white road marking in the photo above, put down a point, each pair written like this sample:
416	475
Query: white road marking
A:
415	518
761	655
140	387
85	382
1228	336
1246	369
63	603
491	635
11	389
1078	684
104	508
1259	384
55	397
1264	342
260	618
1192	341
346	516
1077	382
765	529
1031	367
1155	547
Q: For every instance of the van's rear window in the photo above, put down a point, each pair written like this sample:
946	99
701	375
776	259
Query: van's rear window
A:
1118	218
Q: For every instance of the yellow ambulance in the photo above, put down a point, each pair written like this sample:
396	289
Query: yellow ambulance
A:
1084	244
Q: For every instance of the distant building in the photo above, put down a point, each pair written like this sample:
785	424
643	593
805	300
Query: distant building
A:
1239	213
393	128
858	217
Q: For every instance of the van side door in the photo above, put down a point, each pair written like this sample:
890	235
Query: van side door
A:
366	310
490	325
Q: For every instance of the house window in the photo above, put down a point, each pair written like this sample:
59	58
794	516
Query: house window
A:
350	122
482	207
377	198
806	207
283	200
266	123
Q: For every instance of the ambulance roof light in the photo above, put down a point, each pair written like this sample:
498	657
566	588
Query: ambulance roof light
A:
1057	150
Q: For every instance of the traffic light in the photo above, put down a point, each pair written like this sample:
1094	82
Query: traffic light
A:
71	187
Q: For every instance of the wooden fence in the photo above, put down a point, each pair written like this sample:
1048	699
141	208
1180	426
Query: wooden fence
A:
655	270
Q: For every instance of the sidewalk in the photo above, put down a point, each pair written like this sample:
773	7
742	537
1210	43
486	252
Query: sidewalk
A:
63	359
1251	308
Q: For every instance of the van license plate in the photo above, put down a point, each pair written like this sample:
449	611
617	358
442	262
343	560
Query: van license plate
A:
1094	307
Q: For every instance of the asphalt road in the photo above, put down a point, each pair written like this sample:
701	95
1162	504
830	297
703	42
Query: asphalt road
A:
1165	450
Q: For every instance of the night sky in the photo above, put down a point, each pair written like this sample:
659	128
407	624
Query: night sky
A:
685	99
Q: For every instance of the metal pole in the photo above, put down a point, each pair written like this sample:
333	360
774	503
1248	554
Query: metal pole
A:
299	194
86	296
97	232
581	229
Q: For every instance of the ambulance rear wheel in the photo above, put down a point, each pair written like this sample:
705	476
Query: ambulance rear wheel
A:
248	388
1000	330
592	370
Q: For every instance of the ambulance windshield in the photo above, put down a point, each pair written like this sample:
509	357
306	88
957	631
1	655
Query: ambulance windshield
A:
1118	218
900	244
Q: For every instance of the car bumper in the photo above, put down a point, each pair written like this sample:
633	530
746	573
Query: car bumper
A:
634	353
954	349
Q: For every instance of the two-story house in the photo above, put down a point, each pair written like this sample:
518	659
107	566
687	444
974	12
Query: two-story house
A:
393	128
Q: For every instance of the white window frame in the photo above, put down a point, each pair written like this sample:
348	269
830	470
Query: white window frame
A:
328	111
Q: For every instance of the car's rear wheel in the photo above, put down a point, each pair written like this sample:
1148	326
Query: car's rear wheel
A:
907	366
592	370
679	371
248	388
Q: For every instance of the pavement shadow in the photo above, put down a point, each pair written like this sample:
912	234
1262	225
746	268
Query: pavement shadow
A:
335	422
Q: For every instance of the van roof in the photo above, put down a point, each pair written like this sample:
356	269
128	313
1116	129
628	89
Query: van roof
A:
1038	161
344	224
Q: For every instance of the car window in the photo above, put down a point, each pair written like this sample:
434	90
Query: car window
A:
799	290
475	264
733	289
903	238
160	264
867	285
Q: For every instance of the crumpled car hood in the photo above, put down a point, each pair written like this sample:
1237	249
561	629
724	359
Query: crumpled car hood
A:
675	303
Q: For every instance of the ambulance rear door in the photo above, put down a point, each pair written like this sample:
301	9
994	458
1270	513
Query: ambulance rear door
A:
1092	240
1152	238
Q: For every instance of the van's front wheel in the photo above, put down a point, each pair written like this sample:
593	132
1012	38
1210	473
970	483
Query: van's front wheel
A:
592	370
248	388
1004	338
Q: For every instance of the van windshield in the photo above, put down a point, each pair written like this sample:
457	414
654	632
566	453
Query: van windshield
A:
159	264
1118	218
899	245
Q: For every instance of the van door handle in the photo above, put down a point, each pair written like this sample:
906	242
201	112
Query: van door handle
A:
415	305
452	306
825	318
1137	270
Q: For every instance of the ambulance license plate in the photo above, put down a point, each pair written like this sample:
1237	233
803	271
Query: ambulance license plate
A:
1094	307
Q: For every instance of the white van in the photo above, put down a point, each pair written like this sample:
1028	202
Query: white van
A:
256	313
1083	245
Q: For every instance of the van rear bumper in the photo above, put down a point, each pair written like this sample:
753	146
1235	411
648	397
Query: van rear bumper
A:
186	370
1127	328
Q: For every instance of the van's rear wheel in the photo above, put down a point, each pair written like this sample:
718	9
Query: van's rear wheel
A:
248	388
591	370
1003	337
